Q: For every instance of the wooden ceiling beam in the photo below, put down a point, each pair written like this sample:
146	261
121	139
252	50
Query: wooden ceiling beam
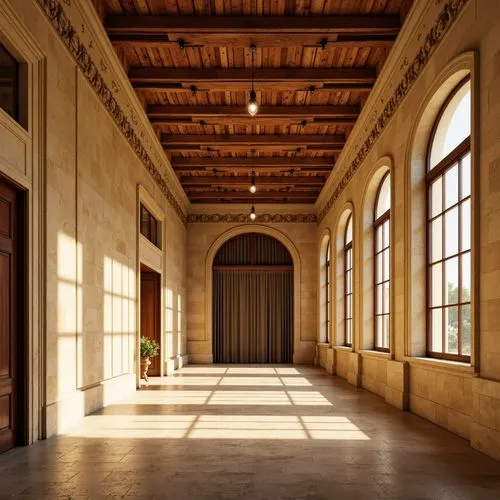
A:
252	25
296	161
258	196
266	180
125	38
279	86
242	76
253	140
257	121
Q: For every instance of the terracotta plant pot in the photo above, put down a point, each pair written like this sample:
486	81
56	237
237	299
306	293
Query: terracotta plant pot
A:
145	362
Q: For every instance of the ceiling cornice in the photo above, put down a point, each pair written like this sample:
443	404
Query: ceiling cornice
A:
81	31
385	98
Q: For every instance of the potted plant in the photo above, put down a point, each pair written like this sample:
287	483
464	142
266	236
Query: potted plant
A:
149	349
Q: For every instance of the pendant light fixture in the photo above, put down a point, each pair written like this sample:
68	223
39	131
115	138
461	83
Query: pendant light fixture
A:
253	106
253	186
253	215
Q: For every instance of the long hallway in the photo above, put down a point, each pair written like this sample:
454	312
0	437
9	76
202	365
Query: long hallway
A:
251	432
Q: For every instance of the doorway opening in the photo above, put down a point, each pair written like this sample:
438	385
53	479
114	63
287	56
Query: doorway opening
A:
151	312
13	312
252	301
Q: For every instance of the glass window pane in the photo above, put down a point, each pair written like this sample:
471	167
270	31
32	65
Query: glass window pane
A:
379	300
348	233
437	239
384	197
437	330
466	222
451	232
379	325
436	197
451	281
387	267
386	302
466	277
387	331
348	282
378	268
437	285
451	187
466	329
9	83
451	324
378	239
466	176
453	126
387	233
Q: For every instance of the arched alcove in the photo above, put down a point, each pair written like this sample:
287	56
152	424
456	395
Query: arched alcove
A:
294	254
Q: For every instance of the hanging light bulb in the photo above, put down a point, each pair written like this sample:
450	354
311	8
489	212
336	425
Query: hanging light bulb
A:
253	187
253	215
253	106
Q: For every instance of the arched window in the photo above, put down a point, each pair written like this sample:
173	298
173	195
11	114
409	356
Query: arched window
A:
382	261
348	282
327	292
449	229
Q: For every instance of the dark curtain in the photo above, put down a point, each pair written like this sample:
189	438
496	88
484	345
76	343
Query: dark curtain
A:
252	316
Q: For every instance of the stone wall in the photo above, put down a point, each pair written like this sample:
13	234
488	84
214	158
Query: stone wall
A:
460	397
91	241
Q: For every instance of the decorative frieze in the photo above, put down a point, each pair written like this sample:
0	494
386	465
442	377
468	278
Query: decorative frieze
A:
62	24
446	18
263	218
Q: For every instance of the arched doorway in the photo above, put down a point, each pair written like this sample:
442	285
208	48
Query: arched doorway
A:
252	306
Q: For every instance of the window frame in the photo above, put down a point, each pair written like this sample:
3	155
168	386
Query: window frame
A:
347	248
327	292
378	223
453	158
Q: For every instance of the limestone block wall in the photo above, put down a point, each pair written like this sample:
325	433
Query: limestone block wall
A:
201	238
91	240
460	397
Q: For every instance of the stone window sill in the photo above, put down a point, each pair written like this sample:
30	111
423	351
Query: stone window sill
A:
324	345
369	353
442	365
343	348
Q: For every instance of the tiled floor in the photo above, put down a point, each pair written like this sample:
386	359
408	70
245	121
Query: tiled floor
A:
244	432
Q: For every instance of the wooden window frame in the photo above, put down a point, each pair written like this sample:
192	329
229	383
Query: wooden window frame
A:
453	158
378	225
348	295
327	292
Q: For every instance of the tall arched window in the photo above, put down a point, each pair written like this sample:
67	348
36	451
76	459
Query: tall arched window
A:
327	292
348	282
382	260
449	229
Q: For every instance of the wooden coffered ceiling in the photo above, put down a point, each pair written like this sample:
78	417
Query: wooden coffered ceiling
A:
315	64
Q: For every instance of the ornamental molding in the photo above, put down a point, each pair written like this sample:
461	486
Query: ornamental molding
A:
114	91
262	218
447	16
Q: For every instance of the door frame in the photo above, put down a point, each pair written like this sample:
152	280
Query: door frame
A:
153	258
27	172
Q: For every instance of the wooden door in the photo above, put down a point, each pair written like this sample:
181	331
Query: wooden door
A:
150	313
8	319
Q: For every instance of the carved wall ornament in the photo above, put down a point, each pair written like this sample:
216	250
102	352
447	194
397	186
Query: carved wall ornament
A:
62	24
263	218
446	18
